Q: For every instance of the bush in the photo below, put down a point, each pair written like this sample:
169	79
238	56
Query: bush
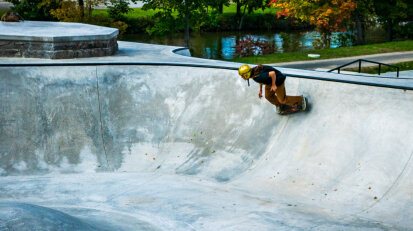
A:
118	9
250	47
138	25
164	23
345	39
34	9
67	12
404	30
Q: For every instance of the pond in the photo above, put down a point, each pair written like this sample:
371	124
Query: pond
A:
220	45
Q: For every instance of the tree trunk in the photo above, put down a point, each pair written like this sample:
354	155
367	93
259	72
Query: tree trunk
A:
241	20
186	24
81	9
238	8
389	31
360	30
89	10
221	8
219	54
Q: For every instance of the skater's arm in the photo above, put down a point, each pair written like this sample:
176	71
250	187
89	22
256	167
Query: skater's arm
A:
273	78
260	93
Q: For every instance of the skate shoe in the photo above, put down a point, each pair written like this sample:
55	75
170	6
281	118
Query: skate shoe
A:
278	109
304	104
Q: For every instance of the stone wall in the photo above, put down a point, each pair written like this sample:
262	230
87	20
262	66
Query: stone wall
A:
58	50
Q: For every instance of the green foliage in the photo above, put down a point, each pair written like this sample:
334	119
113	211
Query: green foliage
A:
247	7
2	12
345	39
404	31
138	25
144	20
164	22
390	13
175	14
364	7
218	5
390	10
211	21
118	9
121	26
250	6
33	9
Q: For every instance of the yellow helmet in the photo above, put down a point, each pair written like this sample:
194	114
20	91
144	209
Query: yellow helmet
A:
245	71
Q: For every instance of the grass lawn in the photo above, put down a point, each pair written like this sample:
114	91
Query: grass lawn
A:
138	12
404	66
133	13
232	9
330	53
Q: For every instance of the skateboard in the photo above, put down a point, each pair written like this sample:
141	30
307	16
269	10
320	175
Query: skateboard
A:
286	109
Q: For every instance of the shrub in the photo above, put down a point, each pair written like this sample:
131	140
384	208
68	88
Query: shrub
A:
345	39
404	30
138	25
35	9
121	26
118	9
250	47
67	12
164	23
318	44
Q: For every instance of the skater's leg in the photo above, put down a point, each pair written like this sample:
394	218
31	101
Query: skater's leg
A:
270	96
288	100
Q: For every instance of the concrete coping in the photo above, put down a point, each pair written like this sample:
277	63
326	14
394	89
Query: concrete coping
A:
54	31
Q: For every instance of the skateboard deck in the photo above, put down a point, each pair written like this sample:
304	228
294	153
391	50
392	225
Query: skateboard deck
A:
286	109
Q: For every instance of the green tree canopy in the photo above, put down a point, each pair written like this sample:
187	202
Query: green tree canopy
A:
34	9
390	13
173	13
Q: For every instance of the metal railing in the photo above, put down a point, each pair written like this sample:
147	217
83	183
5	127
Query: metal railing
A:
368	61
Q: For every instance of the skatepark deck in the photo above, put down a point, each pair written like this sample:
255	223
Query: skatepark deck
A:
183	144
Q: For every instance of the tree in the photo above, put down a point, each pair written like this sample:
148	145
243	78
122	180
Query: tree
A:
217	4
33	9
327	16
363	11
188	12
390	13
66	10
248	7
118	8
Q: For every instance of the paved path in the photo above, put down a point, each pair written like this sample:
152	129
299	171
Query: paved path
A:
389	58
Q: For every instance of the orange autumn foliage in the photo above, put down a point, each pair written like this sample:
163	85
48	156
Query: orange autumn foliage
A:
327	15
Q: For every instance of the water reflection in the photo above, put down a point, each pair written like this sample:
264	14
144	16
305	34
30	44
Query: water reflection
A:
220	45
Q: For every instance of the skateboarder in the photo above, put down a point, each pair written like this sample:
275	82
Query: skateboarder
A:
273	80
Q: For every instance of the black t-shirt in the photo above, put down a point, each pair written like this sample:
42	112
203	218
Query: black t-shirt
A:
265	78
